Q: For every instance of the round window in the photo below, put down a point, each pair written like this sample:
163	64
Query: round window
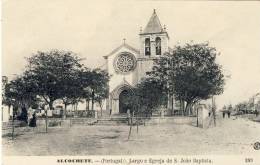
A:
124	63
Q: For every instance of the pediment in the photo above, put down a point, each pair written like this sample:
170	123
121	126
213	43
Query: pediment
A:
123	48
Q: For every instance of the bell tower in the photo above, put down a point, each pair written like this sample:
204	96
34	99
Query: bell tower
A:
154	42
154	38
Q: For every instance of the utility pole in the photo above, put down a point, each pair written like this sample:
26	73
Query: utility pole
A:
214	110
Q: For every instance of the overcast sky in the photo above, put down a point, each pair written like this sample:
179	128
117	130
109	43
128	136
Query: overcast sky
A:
94	28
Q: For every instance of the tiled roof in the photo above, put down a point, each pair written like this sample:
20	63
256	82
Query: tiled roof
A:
154	25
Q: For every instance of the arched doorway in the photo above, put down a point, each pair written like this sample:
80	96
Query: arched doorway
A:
119	98
124	104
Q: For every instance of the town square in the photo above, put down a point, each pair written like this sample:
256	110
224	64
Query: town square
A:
84	78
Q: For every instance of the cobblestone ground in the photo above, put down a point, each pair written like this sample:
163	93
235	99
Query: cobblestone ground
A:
230	136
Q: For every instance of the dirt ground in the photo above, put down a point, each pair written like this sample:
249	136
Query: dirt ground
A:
230	136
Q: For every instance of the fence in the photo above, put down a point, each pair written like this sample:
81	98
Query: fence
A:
75	114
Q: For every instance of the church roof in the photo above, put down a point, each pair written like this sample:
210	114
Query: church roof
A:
123	45
154	25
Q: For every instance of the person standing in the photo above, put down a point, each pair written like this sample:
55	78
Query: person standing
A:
228	114
32	122
128	115
110	111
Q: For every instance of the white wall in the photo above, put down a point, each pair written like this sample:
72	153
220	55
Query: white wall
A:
117	78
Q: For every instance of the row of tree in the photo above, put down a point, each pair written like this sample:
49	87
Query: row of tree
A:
188	73
252	105
54	75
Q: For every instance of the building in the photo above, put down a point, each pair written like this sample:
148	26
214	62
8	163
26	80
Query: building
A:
6	110
128	65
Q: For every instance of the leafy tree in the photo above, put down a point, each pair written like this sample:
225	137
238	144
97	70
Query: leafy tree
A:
151	95
20	92
54	74
6	95
145	98
98	86
85	81
191	73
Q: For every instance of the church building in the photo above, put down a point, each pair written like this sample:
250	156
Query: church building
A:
128	65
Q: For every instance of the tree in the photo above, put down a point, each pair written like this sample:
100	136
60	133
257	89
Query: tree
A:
85	81
151	95
71	89
54	73
145	98
191	73
98	86
19	93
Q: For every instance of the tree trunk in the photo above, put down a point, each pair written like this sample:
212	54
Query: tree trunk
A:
101	110
191	109
46	115
65	110
92	103
187	108
197	111
137	122
46	120
51	105
173	99
214	116
87	104
131	123
182	107
13	125
214	110
76	106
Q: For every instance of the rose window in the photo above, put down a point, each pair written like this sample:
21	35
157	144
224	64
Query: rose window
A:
125	63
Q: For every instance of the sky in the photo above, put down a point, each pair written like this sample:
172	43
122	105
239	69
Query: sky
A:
94	28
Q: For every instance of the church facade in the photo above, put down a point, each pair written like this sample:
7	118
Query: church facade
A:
128	65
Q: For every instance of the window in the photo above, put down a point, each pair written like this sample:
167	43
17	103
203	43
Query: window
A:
124	63
158	45
147	46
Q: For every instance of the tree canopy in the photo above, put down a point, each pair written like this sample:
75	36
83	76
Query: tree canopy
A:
190	72
147	96
58	74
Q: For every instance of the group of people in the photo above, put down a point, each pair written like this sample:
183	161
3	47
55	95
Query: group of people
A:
24	117
224	114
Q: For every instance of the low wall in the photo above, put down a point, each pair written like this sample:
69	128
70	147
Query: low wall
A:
67	122
171	120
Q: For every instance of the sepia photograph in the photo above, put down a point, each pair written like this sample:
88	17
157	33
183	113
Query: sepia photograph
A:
130	78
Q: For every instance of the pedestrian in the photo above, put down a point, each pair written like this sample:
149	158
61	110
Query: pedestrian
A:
223	113
256	113
128	115
24	115
110	111
32	122
228	114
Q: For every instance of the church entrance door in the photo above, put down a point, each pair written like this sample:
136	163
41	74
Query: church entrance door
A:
123	101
